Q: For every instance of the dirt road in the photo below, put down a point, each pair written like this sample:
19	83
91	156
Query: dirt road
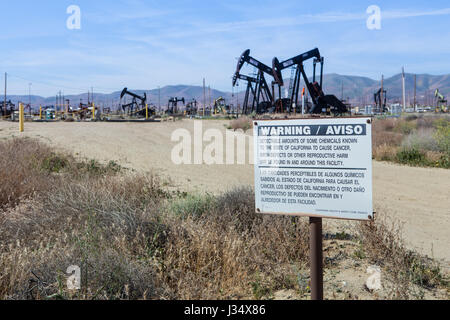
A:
418	197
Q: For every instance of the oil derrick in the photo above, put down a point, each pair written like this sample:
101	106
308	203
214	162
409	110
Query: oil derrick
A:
83	110
380	102
191	107
172	105
7	110
221	106
441	102
322	104
262	101
249	92
137	106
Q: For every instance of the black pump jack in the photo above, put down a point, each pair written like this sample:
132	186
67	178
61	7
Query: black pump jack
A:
322	103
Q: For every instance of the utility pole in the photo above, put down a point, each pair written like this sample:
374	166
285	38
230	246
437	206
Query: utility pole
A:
415	82
4	105
204	96
159	98
403	89
209	93
29	94
382	94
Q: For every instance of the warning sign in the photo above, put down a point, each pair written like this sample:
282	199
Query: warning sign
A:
314	167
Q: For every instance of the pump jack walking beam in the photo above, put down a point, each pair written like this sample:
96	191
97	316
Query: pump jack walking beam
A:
134	103
262	89
322	103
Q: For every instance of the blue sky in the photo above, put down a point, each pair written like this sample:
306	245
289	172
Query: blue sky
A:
145	44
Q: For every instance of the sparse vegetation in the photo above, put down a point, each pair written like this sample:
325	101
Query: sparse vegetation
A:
134	239
243	123
407	271
413	140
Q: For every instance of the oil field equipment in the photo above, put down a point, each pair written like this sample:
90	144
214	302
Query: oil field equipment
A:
220	106
191	108
322	104
441	102
83	111
8	110
380	106
250	91
262	97
172	105
138	106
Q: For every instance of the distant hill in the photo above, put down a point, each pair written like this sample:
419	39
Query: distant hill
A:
359	90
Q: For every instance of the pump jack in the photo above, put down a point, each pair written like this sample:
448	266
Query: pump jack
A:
191	108
441	102
134	105
262	97
321	103
380	106
221	106
8	110
172	106
249	91
84	109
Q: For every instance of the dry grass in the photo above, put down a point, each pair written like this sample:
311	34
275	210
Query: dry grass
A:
20	170
413	140
135	240
243	123
407	273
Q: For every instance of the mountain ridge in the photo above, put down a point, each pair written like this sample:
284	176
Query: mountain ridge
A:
356	89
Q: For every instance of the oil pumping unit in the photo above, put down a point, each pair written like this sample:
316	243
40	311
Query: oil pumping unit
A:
220	106
441	102
7	110
250	90
380	106
191	107
138	104
322	104
172	106
262	97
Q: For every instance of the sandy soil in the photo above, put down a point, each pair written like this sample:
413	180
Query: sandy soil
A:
417	197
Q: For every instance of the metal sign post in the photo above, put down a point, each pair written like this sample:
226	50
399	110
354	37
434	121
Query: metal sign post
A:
318	168
316	258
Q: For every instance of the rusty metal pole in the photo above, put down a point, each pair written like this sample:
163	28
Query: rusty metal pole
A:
4	102
316	258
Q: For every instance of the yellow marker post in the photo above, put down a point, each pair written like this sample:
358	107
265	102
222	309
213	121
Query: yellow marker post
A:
146	111
21	117
40	112
93	111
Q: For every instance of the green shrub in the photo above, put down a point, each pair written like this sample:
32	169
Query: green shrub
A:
406	127
54	163
411	156
192	205
442	134
444	161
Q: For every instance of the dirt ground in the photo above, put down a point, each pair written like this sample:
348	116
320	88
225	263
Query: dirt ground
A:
418	198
